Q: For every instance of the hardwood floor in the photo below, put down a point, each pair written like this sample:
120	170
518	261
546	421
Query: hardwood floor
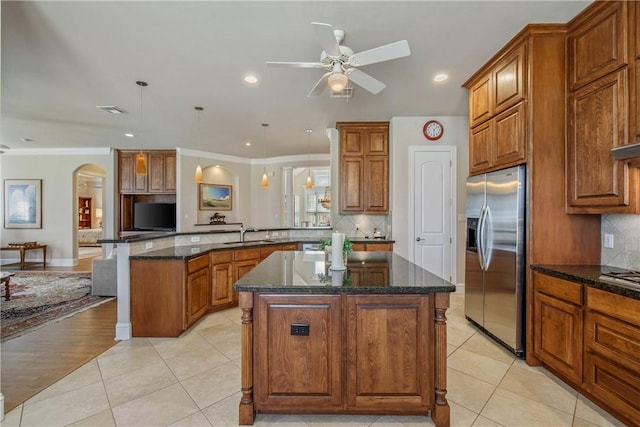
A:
34	361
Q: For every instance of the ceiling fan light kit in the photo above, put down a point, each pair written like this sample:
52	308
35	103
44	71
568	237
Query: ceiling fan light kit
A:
341	63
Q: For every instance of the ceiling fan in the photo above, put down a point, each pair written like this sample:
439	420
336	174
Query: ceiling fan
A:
342	64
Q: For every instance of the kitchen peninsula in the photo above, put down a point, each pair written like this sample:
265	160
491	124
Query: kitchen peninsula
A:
370	339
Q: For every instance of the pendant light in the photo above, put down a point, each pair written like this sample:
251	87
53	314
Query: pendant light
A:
265	180
141	160
309	181
198	175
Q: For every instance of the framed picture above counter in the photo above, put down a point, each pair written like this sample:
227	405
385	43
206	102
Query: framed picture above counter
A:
215	197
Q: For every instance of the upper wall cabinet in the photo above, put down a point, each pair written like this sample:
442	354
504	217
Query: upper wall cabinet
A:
499	88
597	42
497	111
160	177
364	167
602	109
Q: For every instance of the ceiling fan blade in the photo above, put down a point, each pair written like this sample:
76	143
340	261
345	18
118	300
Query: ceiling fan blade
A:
296	64
320	86
327	38
380	54
365	81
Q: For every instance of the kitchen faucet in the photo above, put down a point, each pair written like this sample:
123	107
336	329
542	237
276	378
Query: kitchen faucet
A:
244	230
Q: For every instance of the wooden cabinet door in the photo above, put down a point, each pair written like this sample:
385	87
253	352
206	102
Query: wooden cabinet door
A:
197	295
352	140
126	172
480	141
389	355
140	181
221	285
598	120
558	325
510	147
155	172
597	43
377	140
481	101
508	80
294	370
169	173
376	184
351	178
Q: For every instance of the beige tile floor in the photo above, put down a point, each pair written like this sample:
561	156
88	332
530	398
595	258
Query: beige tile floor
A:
194	380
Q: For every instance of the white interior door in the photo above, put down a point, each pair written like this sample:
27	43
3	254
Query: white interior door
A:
432	232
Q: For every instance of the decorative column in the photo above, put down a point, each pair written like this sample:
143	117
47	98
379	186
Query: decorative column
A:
123	325
246	414
441	412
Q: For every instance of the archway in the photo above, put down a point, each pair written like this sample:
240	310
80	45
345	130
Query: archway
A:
89	182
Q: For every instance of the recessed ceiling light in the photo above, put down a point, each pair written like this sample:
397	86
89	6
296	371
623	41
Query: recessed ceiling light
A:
440	77
129	135
27	140
248	144
250	79
111	109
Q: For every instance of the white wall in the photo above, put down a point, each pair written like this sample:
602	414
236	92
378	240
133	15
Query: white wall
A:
405	132
56	168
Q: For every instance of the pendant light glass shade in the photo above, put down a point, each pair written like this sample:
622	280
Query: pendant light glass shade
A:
198	175
265	179
309	184
141	164
141	160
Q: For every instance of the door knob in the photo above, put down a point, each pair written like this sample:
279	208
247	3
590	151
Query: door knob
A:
418	239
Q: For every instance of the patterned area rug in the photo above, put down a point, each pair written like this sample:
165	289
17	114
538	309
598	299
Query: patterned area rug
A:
43	297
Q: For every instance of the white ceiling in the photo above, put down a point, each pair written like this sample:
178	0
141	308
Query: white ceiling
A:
62	59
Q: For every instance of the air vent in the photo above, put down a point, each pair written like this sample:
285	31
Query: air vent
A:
347	92
111	109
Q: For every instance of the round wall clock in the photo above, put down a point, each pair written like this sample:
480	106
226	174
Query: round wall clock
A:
433	130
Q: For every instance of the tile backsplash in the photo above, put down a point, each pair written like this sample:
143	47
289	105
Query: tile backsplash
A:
626	241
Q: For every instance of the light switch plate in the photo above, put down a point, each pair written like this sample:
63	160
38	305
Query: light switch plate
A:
608	241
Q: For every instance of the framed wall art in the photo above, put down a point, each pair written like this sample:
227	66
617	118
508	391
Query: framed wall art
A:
214	197
22	203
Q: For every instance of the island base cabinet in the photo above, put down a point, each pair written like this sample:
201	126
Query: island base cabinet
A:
344	354
298	343
389	358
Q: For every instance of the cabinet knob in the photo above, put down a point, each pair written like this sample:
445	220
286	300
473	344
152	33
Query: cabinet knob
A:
418	239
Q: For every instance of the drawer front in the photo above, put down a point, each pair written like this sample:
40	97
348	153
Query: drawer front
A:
385	247
614	305
616	340
558	288
265	251
221	257
616	387
198	263
246	254
290	247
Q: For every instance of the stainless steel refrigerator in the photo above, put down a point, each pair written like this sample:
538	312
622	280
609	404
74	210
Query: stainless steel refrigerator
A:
495	262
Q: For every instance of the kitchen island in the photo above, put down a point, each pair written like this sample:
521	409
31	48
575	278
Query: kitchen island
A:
370	339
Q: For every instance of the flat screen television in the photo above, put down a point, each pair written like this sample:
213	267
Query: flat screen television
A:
154	216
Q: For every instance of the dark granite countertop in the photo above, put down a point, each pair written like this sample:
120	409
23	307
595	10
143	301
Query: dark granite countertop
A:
191	251
588	275
307	272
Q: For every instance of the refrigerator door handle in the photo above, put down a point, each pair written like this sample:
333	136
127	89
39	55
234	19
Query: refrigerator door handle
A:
487	236
480	236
